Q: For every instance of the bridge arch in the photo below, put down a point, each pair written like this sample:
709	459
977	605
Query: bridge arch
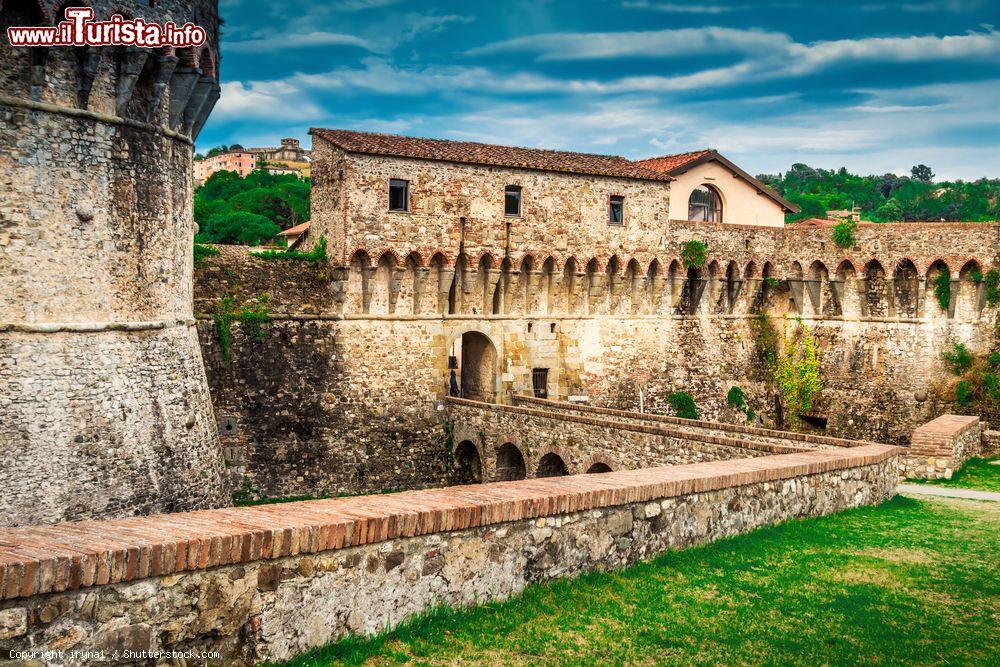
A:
510	463
551	465
468	463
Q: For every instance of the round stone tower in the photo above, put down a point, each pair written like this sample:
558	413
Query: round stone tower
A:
104	405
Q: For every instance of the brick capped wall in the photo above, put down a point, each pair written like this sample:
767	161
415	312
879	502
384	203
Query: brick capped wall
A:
254	584
941	446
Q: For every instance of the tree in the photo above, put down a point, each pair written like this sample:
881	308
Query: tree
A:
923	173
240	227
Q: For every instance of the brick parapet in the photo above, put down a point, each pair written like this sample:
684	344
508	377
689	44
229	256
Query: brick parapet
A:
62	557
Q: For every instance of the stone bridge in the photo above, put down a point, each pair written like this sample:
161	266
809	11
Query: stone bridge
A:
541	438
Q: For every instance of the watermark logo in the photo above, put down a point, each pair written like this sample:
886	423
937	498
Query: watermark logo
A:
80	29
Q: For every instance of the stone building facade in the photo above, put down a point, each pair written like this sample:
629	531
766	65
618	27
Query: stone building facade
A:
104	405
451	295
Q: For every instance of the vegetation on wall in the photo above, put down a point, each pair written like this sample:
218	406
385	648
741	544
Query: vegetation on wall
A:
887	198
315	256
683	405
977	388
991	281
203	252
843	234
942	288
737	399
251	210
694	254
796	373
255	316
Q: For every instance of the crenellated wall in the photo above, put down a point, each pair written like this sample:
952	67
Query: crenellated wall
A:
104	405
344	394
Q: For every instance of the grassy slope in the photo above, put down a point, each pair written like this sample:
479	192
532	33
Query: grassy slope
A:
975	474
908	582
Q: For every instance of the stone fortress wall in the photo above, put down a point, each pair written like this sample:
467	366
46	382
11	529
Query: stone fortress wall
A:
345	394
104	405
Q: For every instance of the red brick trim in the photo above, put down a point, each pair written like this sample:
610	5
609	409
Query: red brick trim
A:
46	559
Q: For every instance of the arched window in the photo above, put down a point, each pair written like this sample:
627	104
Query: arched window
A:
705	204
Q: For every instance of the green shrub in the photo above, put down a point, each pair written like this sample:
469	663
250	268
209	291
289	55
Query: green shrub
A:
991	381
316	256
694	254
994	360
942	289
958	358
964	393
203	252
737	399
992	283
683	405
771	281
843	234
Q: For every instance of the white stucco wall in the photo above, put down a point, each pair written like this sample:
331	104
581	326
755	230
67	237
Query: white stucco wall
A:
740	202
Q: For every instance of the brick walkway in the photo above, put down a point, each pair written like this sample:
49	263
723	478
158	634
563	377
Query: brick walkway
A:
928	490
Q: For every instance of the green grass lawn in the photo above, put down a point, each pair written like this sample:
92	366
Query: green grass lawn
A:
909	582
975	474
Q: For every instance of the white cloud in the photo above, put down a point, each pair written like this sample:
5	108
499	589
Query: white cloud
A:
272	100
647	44
286	41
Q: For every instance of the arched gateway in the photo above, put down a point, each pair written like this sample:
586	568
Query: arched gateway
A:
472	367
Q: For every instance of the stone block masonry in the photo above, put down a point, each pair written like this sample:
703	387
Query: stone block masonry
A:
940	447
267	583
104	406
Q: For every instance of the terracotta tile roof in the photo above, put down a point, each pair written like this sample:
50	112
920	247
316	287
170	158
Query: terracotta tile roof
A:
668	163
296	230
488	154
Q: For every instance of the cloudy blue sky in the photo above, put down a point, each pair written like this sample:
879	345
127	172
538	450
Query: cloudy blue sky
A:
872	85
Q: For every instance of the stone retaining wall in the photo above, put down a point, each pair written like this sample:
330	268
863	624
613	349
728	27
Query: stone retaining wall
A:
266	583
941	446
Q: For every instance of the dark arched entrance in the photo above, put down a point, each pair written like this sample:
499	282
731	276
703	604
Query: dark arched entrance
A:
468	464
552	465
598	468
473	367
510	463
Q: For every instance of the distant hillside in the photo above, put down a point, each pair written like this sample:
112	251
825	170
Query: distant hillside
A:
887	198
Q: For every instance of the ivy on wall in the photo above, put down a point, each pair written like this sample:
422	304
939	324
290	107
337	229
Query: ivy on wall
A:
255	316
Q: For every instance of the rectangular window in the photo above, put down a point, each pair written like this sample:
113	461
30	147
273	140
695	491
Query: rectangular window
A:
512	200
540	382
616	210
399	195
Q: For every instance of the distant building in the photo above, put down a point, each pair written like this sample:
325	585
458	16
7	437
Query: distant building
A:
241	162
290	150
296	235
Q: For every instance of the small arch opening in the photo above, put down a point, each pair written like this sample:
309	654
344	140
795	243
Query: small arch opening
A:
552	465
468	463
599	468
510	463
